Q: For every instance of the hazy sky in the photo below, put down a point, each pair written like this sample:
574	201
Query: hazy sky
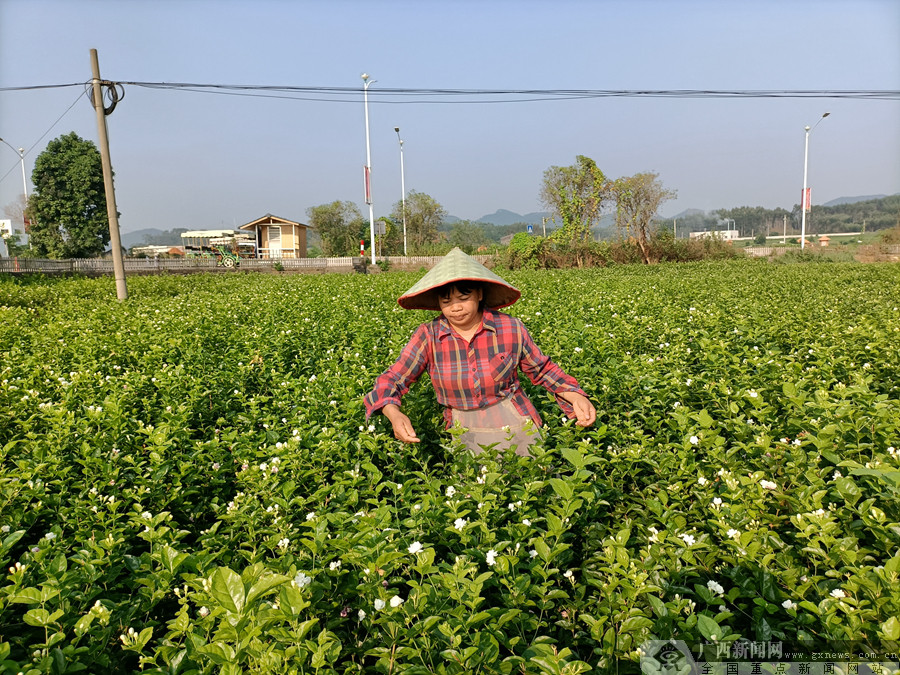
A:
205	160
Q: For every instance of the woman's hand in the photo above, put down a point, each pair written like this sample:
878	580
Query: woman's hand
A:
585	413
403	428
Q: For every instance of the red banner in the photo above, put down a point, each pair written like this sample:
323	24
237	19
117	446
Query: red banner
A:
806	200
367	178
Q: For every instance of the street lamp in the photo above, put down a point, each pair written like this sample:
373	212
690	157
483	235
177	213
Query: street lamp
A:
368	172
21	153
402	189
804	199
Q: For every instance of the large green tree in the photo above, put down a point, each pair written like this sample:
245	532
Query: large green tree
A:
576	195
638	198
423	216
340	225
68	206
468	236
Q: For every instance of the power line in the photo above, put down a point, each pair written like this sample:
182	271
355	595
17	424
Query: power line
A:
414	95
49	129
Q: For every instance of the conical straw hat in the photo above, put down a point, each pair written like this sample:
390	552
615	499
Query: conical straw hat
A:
457	266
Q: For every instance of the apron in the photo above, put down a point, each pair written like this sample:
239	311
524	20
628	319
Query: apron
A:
485	426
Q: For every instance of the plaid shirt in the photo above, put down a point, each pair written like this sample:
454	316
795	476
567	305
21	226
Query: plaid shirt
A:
473	375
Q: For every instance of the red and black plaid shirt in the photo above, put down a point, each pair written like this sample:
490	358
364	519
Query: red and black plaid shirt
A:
476	374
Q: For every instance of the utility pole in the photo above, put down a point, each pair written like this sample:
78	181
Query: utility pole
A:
114	240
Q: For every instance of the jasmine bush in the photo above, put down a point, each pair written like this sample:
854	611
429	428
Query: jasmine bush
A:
189	484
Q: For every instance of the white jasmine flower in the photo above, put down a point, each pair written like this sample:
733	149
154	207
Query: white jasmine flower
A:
767	484
284	543
415	547
203	611
715	587
310	515
491	557
653	532
789	604
702	480
450	491
396	601
568	574
459	523
689	539
837	474
361	614
379	604
526	522
694	440
733	533
301	580
838	593
335	564
532	553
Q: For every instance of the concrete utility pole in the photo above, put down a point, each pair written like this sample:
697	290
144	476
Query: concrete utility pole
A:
114	240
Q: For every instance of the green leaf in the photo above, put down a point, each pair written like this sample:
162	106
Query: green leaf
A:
659	607
848	489
218	652
703	419
228	589
37	617
709	628
27	596
561	488
634	624
264	585
891	629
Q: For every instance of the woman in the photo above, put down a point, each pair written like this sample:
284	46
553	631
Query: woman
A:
472	354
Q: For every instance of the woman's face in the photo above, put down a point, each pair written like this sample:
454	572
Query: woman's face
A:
460	307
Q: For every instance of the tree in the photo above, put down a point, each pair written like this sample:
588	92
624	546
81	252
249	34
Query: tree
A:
638	198
68	206
468	236
340	225
423	216
576	194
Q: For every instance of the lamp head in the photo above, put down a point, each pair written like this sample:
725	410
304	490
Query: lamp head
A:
364	76
397	129
825	115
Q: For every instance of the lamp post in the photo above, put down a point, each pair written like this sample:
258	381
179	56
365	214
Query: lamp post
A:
402	189
804	200
368	173
21	153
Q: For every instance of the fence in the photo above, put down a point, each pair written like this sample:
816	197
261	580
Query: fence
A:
94	266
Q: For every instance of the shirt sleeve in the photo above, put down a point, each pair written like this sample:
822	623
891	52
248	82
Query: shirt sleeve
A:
393	383
543	372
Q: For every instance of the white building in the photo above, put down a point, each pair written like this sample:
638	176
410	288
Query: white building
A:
724	235
7	230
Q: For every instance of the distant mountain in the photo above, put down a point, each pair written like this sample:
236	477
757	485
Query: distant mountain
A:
852	200
504	217
138	237
152	236
687	213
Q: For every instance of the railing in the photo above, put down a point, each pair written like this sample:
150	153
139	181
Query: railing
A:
155	265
